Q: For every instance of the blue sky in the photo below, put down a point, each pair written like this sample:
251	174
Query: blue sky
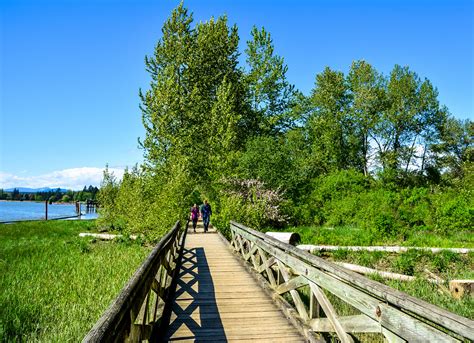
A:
70	70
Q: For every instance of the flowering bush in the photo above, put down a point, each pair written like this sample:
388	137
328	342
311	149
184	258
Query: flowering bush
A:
249	202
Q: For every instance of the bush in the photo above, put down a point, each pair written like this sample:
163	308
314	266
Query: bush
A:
250	203
454	210
385	225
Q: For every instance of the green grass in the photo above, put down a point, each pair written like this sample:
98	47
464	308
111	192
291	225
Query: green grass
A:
54	284
353	236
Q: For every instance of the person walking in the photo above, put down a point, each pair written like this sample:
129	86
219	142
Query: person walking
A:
194	215
206	213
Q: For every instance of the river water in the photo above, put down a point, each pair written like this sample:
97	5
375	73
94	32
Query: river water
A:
30	210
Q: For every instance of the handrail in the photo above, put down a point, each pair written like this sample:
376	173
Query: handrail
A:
385	310
138	308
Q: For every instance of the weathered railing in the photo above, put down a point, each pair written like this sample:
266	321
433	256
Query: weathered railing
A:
136	313
374	308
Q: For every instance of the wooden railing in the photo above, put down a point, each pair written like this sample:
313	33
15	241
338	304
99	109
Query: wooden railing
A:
136	313
317	290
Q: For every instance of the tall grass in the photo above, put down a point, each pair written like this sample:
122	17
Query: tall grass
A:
54	285
346	235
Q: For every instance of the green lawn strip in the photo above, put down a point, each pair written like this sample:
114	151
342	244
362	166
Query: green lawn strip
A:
54	284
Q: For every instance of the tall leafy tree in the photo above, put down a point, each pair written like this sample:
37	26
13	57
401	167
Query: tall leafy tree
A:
164	105
368	98
455	150
412	117
332	130
270	94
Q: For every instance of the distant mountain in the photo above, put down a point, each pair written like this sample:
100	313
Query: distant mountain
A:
35	190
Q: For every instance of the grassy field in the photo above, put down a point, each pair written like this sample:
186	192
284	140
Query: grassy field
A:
55	285
354	236
446	265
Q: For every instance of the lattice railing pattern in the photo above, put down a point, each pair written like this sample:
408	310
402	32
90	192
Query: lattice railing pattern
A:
383	311
136	313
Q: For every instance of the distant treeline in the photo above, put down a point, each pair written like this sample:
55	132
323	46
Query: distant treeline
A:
88	193
366	149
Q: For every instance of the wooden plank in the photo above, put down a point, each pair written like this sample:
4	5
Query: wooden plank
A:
236	315
294	294
118	319
292	284
217	299
391	337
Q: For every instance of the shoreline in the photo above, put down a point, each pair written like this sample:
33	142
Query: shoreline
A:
42	201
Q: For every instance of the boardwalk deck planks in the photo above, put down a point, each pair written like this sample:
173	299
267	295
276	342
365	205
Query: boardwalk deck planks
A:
216	299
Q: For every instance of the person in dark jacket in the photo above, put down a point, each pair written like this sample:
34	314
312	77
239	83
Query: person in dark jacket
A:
194	215
206	213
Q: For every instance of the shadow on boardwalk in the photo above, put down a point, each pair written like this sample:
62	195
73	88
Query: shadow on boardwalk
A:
195	313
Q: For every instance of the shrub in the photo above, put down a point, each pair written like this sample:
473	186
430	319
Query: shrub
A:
454	210
442	260
249	202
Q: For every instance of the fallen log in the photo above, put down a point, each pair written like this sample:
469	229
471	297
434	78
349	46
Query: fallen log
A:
104	236
365	270
286	237
394	249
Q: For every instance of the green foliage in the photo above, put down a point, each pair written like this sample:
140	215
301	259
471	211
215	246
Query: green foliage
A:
362	150
406	262
269	93
453	210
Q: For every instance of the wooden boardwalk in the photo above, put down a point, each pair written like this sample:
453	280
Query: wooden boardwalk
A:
217	300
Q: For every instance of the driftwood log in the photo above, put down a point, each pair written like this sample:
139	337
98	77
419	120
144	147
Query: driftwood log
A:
104	236
291	238
367	271
395	249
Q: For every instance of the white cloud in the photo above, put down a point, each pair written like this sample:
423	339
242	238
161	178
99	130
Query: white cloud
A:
73	178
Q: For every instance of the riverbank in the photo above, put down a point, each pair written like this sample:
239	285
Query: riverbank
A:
55	284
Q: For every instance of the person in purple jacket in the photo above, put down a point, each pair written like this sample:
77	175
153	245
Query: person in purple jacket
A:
194	215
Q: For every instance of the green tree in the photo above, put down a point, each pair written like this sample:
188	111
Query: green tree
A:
412	118
368	98
270	94
455	151
107	199
332	131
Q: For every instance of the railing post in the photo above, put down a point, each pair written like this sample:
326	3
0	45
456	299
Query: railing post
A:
46	210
